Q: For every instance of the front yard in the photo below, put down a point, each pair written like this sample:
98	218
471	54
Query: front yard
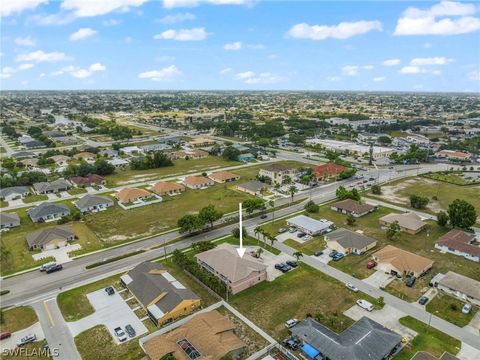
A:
449	308
17	318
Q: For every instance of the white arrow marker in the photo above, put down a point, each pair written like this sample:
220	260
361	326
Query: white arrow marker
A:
241	249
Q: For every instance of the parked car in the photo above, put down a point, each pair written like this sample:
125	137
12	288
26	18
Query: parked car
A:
281	230
293	342
338	256
359	176
5	335
291	323
466	308
410	281
371	179
332	253
53	268
27	339
351	287
423	300
371	264
47	265
292	263
292	230
110	290
121	336
365	304
301	234
130	331
318	253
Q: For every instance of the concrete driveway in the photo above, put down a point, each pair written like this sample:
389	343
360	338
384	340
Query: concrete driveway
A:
64	194
379	279
61	254
11	342
52	196
16	202
324	258
111	311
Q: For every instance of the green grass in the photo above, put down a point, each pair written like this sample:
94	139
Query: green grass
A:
74	303
250	241
449	308
2	150
36	347
399	289
34	198
446	177
308	247
76	191
398	133
355	265
3	203
97	344
428	339
17	318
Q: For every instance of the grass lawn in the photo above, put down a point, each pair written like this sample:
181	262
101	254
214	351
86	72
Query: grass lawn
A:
33	198
447	177
293	295
2	150
449	308
97	344
251	241
17	318
29	349
308	247
74	303
428	339
398	133
3	203
354	264
398	288
76	191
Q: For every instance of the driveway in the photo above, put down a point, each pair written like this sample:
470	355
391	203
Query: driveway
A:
111	311
90	190
324	258
64	194
52	197
61	254
379	279
11	342
16	202
270	259
468	352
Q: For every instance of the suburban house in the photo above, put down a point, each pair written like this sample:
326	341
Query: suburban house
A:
239	273
201	142
85	155
51	187
163	297
93	203
118	162
277	173
460	286
198	182
154	147
61	160
364	340
246	157
48	212
89	180
309	225
128	194
168	188
30	163
130	150
346	241
328	171
50	238
254	187
109	153
208	335
409	222
352	207
453	155
223	177
14	193
400	262
8	220
459	243
190	154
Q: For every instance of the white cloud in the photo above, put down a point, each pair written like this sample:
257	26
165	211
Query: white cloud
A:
9	7
8	71
411	70
26	41
87	8
244	75
26	66
195	34
176	18
344	30
237	45
111	22
391	62
438	60
97	67
444	18
61	18
250	77
81	73
82	33
78	72
225	71
474	75
368	67
166	74
41	56
379	78
350	70
169	4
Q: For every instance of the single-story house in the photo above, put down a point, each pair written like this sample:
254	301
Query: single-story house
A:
223	177
50	238
89	180
459	243
14	193
309	225
109	153
48	212
24	155
131	149
54	186
61	160
346	241
239	273
400	262
155	147
9	220
170	140
277	173
66	140
30	163
254	187
364	340
85	155
352	207
328	171
93	203
245	157
168	188
118	162
208	335
132	194
409	222
190	154
159	293
460	286
198	182
201	142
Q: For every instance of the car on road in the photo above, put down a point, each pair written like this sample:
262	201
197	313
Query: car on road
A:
120	334
410	281
371	264
53	268
466	308
264	216
318	253
46	266
359	176
350	286
292	263
364	304
371	179
338	256
27	339
282	230
423	300
291	323
130	331
5	335
110	290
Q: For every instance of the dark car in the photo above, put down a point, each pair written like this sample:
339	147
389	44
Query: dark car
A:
264	216
110	290
5	335
130	330
332	254
292	263
53	268
410	281
278	266
338	256
301	234
318	253
423	300
371	179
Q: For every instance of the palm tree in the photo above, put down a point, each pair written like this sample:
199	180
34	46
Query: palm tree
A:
272	240
298	255
271	203
265	235
259	252
292	190
258	230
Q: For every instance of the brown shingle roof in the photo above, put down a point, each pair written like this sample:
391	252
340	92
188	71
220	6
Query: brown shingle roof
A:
128	194
163	186
223	176
353	206
459	240
402	260
408	221
197	180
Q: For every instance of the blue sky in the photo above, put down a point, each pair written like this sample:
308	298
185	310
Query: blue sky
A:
240	44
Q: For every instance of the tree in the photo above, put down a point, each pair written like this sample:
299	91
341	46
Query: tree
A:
442	218
370	155
292	190
393	231
347	173
208	215
311	207
252	204
376	189
259	252
298	255
230	153
343	194
272	239
103	167
257	231
384	139
418	202
236	232
351	220
462	214
189	223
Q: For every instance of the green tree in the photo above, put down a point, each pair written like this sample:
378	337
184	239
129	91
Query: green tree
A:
298	255
189	223
418	202
462	214
230	153
208	215
351	220
343	194
311	207
347	173
259	252
376	189
257	231
384	139
252	204
292	190
236	232
442	218
393	231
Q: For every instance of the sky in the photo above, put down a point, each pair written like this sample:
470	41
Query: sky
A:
426	46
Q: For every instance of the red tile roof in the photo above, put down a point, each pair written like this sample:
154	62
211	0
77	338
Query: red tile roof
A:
328	169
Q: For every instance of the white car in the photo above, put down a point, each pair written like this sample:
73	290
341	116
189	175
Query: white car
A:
351	287
365	304
120	334
466	308
291	323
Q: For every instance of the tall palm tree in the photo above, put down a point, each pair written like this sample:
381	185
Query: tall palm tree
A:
298	255
272	205
292	190
258	230
265	235
259	252
272	240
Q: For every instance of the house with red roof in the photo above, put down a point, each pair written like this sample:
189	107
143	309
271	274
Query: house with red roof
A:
328	171
460	243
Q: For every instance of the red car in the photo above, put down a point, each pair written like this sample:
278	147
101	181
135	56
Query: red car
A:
371	264
5	335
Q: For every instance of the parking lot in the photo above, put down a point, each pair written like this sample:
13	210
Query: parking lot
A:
270	260
111	311
294	236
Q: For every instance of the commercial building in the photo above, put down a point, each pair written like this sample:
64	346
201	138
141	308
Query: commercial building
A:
352	148
201	142
458	242
328	171
346	241
453	155
400	262
277	173
309	225
410	223
352	207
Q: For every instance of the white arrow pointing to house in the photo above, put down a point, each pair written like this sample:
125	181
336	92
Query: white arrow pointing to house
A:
241	249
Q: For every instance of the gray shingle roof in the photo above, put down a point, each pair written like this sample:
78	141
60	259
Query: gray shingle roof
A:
254	186
93	200
350	239
46	208
54	185
41	237
9	218
13	190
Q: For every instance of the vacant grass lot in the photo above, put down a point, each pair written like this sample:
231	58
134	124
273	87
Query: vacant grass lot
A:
76	191
29	349
449	308
17	318
428	339
33	198
308	247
